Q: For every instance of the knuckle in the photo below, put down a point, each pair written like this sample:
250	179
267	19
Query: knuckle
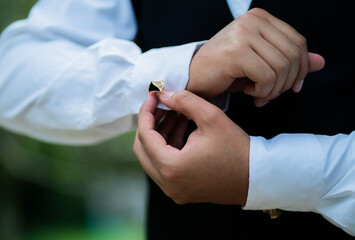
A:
135	148
258	11
171	172
173	178
247	16
275	93
170	192
253	15
140	137
181	97
212	114
168	174
283	65
235	45
180	201
301	41
295	53
286	87
240	27
241	30
270	77
176	194
264	93
265	88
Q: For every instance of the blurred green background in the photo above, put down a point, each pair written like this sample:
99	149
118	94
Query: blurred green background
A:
50	192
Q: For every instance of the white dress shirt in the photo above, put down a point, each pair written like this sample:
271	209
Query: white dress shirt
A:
304	172
70	74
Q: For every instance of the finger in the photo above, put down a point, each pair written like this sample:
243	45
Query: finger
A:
199	110
315	63
302	71
145	161
239	84
146	113
262	75
176	137
277	61
261	102
167	124
301	43
158	115
286	40
299	46
296	57
285	28
153	143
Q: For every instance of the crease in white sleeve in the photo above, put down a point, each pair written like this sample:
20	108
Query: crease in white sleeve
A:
337	203
283	176
63	87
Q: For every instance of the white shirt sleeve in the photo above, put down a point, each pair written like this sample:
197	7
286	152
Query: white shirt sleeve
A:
305	172
71	74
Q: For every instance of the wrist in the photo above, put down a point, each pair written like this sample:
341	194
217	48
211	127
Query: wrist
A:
190	86
244	172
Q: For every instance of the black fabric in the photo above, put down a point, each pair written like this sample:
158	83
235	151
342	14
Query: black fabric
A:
175	22
325	106
328	25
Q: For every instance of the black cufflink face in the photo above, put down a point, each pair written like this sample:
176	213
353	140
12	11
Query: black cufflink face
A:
156	86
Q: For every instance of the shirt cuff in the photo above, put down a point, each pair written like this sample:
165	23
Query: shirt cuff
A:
285	172
170	64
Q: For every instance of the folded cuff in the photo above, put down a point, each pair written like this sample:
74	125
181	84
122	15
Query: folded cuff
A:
285	173
171	64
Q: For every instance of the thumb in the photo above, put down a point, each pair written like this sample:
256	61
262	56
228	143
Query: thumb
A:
189	104
315	62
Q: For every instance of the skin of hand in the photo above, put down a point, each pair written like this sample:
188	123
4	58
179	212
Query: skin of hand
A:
256	53
213	165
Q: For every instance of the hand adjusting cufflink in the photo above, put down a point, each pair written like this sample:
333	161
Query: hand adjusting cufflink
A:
156	86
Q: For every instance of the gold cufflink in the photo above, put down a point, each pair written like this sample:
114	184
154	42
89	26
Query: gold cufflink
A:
156	86
273	213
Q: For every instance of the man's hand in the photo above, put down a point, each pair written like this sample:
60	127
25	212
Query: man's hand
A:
213	165
259	48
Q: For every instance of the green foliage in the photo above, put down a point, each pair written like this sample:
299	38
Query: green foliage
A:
11	10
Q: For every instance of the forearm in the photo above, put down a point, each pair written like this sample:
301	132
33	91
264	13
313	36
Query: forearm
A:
51	89
88	94
62	88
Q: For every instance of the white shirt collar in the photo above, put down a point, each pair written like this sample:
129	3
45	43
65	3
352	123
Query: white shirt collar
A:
238	7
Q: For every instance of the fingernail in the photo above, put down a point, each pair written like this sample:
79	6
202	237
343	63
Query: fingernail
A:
166	94
262	104
299	87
